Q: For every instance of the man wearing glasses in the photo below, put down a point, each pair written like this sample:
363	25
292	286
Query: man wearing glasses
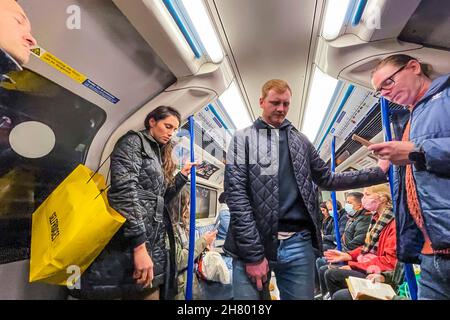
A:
422	175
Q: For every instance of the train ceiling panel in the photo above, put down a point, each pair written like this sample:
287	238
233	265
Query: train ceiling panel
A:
420	30
414	27
104	47
268	39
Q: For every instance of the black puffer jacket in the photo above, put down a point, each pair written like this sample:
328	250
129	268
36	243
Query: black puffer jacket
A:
355	230
251	182
138	192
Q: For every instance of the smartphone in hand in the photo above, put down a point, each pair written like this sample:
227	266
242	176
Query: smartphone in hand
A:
361	140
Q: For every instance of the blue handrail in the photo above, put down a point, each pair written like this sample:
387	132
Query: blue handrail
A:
359	12
213	110
333	197
409	270
176	17
341	106
190	270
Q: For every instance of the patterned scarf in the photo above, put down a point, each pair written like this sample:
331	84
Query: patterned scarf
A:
375	228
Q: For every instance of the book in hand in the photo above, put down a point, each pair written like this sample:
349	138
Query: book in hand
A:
364	289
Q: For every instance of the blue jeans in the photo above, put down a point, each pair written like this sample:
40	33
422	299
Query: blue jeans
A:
434	283
294	271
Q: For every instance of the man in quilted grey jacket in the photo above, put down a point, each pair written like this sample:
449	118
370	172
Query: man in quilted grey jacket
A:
270	178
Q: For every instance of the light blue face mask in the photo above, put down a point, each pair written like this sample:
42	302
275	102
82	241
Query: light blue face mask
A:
331	212
349	209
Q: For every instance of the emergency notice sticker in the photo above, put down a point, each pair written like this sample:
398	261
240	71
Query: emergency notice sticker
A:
64	68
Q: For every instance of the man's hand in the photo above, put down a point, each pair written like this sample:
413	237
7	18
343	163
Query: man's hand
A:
257	272
395	151
334	256
210	237
376	277
384	165
143	266
345	268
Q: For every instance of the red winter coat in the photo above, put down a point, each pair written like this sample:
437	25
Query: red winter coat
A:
386	257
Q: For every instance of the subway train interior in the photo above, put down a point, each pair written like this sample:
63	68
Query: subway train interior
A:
100	66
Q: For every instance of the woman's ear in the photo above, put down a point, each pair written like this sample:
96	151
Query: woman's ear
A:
151	122
415	66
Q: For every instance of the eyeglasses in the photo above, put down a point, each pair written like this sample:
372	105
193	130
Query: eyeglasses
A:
388	83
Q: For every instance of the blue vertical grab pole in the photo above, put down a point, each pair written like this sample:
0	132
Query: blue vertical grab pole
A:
409	270
190	270
333	197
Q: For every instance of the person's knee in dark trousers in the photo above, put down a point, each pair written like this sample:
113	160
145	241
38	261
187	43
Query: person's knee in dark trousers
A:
343	294
320	261
323	285
335	279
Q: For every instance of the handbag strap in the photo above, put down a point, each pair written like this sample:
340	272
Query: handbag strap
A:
99	167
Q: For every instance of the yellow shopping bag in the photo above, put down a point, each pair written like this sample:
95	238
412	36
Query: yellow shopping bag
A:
71	227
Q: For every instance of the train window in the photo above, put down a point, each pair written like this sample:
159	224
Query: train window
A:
32	166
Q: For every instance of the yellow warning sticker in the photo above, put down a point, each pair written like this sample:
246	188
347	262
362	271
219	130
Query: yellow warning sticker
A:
36	51
58	64
64	68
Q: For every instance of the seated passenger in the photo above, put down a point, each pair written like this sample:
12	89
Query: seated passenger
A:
179	210
223	217
327	227
378	253
224	222
354	232
329	240
357	224
394	278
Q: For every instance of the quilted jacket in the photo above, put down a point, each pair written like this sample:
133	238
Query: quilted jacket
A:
7	64
251	181
139	193
355	230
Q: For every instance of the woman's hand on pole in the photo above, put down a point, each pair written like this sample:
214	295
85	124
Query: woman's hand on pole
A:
186	170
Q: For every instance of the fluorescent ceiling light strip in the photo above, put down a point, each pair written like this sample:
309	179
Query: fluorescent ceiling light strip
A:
359	12
235	107
341	106
335	15
176	17
330	106
320	94
204	28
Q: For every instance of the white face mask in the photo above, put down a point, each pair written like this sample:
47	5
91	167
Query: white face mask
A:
349	209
